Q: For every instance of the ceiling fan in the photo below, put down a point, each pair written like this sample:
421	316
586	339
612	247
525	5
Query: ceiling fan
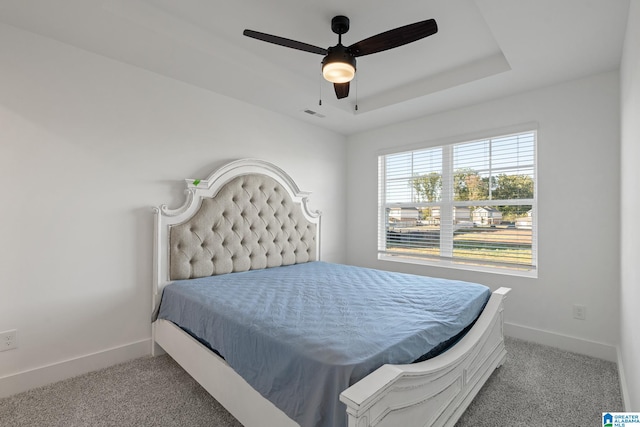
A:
339	63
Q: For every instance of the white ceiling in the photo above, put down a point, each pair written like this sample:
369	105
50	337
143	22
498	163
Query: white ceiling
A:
484	49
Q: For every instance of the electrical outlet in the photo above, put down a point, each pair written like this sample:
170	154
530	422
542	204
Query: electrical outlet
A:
579	312
8	340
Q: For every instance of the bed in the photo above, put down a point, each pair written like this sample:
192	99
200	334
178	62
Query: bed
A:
232	267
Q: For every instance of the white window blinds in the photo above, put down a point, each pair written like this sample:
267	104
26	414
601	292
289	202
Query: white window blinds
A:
470	203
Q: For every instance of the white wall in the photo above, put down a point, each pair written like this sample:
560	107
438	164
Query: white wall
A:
630	212
87	146
578	179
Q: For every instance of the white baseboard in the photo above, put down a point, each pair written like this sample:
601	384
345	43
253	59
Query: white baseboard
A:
37	377
624	390
564	342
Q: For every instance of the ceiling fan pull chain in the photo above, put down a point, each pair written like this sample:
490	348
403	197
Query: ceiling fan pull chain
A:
320	90
356	93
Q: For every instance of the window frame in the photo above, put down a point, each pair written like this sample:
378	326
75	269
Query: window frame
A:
447	204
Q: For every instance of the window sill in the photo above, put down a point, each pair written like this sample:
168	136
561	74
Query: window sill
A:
531	273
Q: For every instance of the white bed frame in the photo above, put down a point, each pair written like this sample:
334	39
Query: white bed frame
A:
431	393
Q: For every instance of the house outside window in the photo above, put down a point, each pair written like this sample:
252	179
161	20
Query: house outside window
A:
468	205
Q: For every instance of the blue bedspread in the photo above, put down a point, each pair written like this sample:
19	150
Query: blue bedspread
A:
301	334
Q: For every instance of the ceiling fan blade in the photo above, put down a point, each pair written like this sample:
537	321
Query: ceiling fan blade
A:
285	42
394	38
342	89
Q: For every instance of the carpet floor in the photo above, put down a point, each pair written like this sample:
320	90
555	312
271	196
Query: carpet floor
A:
537	386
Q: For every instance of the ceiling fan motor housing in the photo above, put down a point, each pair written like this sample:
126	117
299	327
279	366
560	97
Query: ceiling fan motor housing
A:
339	53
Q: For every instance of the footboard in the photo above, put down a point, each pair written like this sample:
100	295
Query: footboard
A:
437	391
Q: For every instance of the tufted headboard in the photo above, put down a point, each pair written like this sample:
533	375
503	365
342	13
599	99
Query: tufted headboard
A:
247	215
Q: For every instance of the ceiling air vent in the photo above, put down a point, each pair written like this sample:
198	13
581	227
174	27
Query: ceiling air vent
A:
314	113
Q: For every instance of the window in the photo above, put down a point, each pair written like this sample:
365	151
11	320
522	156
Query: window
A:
468	205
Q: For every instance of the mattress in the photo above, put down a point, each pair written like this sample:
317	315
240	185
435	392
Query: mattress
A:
301	334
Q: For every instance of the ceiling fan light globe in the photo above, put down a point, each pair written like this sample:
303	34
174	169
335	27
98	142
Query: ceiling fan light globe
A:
338	72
